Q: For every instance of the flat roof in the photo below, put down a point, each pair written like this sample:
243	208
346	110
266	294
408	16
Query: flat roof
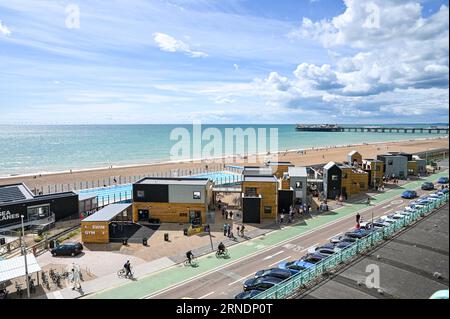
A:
108	213
15	267
257	171
280	163
82	197
271	179
173	181
297	171
14	193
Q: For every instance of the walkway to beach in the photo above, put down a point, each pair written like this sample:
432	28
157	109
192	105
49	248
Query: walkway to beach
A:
155	277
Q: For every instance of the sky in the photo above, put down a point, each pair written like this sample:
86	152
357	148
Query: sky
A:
224	61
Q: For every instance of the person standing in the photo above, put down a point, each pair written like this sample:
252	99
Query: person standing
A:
225	230
226	214
281	218
358	218
231	215
242	230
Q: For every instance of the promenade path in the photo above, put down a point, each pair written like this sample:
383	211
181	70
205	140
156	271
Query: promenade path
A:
174	276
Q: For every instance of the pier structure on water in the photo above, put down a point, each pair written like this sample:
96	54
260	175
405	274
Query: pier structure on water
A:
372	129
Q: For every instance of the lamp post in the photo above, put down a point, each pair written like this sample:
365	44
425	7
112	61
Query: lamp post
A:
24	252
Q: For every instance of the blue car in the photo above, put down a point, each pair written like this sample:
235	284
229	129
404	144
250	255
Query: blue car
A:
443	180
261	283
295	266
409	194
343	245
314	258
247	294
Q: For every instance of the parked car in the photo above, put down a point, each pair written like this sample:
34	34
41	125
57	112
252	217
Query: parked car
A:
341	238
380	223
295	266
247	294
326	251
409	194
443	180
387	219
444	190
428	186
440	294
358	233
314	258
274	272
67	249
261	283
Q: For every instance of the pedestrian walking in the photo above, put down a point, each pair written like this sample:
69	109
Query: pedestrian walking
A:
238	231
281	218
228	230
225	230
242	230
358	218
231	215
226	214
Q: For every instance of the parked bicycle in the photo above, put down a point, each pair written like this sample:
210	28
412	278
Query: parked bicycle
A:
193	263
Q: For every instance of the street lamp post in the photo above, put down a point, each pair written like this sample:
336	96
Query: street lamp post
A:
24	251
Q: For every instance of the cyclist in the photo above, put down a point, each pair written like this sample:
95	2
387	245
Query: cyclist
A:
368	201
221	248
189	256
127	268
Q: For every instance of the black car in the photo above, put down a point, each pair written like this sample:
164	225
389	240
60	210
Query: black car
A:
247	294
274	272
68	249
427	186
261	283
314	258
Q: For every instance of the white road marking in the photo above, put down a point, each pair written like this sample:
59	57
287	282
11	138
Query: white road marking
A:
204	296
289	246
279	261
271	256
333	236
385	206
240	280
260	246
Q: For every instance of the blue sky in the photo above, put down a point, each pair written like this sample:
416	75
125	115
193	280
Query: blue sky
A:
217	61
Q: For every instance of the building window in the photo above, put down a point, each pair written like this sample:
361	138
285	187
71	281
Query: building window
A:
140	194
390	162
344	176
334	177
267	209
197	195
298	185
250	191
38	212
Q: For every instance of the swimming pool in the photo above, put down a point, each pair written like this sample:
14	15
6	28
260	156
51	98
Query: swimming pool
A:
118	193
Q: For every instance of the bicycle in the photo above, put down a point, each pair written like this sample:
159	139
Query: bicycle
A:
122	273
225	254
192	263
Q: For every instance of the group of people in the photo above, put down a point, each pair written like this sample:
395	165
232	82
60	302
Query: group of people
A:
228	231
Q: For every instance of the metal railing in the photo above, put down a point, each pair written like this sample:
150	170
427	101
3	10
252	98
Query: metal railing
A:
291	285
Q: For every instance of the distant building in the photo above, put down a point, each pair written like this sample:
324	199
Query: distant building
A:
421	164
394	165
375	169
257	171
354	180
354	158
332	180
278	169
298	182
177	200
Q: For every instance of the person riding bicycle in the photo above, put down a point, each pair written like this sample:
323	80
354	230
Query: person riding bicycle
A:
127	268
221	248
189	256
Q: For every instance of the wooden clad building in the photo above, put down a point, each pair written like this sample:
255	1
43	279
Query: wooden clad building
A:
375	168
279	168
354	180
172	200
355	158
263	190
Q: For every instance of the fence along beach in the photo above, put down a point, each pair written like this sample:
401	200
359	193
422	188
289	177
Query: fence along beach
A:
309	156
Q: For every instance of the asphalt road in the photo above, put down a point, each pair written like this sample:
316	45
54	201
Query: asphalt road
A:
226	282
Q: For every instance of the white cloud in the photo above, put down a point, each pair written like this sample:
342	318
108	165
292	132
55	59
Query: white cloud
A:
4	29
169	44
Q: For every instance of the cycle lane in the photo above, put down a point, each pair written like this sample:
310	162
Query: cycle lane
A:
178	275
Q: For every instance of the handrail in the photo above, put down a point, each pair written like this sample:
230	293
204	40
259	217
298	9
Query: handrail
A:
291	285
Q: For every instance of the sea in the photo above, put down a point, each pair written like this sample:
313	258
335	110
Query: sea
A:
30	149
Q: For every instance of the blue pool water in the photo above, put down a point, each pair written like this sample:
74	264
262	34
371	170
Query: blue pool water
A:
114	194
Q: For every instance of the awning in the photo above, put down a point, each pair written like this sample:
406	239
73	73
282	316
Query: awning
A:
107	214
15	267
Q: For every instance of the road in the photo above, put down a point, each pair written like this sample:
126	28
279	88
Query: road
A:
222	279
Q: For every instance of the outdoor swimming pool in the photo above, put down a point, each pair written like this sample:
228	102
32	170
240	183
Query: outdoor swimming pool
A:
124	192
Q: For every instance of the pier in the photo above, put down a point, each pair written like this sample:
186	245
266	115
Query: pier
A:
372	129
378	129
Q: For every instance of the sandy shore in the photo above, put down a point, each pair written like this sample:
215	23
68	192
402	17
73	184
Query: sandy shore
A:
309	157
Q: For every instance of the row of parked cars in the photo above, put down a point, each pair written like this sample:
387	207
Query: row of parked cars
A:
268	278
